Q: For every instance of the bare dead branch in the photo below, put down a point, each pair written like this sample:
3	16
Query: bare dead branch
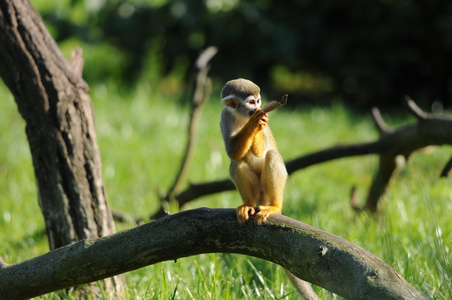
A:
204	189
414	109
303	287
446	169
332	153
193	192
205	57
386	167
354	202
309	253
431	130
381	125
201	90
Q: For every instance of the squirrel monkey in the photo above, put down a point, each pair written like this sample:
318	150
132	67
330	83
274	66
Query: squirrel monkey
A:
257	169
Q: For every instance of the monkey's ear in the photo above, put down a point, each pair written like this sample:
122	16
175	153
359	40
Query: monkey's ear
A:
230	101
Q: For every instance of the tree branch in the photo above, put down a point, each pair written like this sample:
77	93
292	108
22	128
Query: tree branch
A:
309	253
430	129
379	122
414	109
201	90
386	168
446	169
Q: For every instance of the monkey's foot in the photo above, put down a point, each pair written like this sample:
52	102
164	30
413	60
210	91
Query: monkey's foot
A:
264	212
244	212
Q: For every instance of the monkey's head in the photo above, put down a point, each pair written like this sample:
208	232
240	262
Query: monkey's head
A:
242	95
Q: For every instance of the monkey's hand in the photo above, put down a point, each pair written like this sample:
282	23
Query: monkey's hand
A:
238	145
244	212
264	212
258	119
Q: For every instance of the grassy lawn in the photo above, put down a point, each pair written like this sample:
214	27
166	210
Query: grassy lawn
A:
142	136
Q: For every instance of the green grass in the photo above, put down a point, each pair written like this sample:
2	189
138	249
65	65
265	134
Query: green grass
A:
142	136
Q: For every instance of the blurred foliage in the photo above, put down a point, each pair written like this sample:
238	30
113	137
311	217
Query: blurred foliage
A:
366	52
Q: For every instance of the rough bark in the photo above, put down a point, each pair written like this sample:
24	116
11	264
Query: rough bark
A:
53	99
309	253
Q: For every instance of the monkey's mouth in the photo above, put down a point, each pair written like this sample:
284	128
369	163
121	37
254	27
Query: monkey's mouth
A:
251	112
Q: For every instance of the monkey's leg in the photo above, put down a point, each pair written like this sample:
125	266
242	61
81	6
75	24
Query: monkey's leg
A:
247	183
273	181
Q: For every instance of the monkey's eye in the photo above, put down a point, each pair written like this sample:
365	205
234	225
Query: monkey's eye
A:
252	102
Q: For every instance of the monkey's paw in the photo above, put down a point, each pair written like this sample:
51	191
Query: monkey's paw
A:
244	212
264	212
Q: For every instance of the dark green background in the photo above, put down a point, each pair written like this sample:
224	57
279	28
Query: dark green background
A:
364	52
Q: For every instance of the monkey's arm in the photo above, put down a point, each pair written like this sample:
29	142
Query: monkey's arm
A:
238	144
258	145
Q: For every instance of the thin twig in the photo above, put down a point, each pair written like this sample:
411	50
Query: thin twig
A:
381	125
414	109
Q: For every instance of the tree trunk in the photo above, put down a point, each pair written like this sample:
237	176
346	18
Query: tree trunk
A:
53	99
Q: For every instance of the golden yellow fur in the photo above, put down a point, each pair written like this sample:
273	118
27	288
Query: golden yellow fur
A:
257	168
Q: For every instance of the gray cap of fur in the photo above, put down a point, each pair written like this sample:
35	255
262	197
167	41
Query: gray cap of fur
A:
240	88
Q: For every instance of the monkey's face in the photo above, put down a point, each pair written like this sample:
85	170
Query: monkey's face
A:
250	104
241	95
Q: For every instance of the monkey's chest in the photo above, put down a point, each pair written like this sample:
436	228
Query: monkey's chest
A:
256	163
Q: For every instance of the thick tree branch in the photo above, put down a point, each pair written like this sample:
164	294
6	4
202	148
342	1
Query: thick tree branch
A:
309	253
